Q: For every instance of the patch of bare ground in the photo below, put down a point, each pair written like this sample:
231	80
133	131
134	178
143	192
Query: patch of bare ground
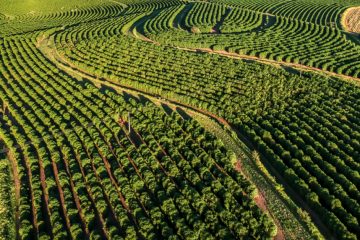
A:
238	166
261	203
351	20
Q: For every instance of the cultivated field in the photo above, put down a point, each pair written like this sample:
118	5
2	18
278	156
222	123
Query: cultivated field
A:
169	119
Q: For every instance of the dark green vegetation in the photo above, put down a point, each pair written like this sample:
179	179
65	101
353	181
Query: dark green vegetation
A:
83	174
87	176
30	8
7	204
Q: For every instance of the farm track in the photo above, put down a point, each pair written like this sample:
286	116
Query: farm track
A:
47	46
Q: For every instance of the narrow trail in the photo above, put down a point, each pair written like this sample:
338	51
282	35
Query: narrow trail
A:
46	45
260	201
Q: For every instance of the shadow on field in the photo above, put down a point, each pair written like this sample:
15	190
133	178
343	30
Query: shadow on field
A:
167	109
143	99
105	88
183	114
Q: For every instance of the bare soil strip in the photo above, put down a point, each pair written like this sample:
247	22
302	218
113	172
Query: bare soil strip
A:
261	203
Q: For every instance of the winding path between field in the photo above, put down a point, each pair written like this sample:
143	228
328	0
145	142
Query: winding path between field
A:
212	122
47	46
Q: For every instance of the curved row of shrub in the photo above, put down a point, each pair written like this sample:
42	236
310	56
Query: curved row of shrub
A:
240	20
144	6
258	100
204	16
319	12
257	5
208	16
322	12
163	21
277	38
84	175
26	23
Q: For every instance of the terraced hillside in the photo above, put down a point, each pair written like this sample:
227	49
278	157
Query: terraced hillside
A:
135	120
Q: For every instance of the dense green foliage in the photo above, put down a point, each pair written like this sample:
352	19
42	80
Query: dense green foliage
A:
314	42
84	175
7	203
296	122
16	8
25	23
289	7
